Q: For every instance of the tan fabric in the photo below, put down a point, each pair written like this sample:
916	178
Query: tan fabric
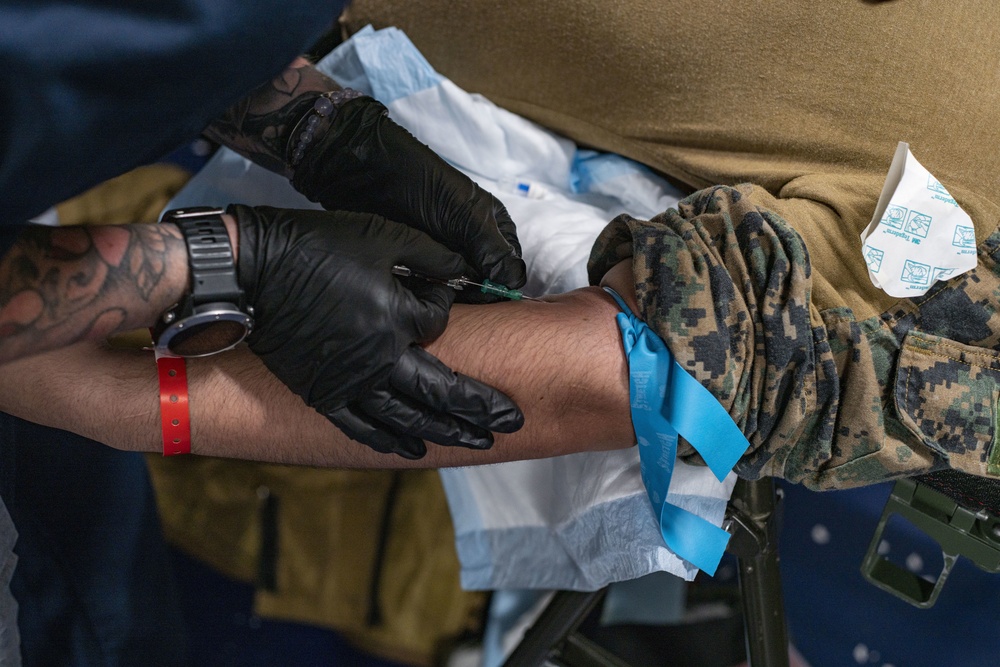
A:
139	195
806	99
329	524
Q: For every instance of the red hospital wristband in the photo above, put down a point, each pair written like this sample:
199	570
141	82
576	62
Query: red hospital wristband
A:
174	414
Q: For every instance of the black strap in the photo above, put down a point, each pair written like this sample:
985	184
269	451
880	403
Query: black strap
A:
970	491
210	255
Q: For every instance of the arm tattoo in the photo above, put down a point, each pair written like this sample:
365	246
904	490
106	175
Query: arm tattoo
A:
59	286
259	125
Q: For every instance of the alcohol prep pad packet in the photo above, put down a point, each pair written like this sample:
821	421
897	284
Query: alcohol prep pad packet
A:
918	233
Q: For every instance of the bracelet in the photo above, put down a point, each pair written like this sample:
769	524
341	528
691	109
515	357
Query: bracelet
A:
305	130
175	416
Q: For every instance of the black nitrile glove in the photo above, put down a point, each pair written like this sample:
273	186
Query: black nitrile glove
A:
366	162
334	324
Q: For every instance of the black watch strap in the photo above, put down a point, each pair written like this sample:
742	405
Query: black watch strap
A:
210	255
213	316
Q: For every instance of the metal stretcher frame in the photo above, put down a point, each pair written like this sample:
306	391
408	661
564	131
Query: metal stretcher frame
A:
752	520
959	528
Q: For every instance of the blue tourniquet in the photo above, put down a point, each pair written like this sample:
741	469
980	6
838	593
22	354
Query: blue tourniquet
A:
666	401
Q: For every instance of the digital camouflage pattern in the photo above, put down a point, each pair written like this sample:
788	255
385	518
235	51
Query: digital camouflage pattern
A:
823	399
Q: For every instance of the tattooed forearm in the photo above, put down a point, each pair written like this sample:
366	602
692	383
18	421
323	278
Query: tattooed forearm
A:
62	285
258	126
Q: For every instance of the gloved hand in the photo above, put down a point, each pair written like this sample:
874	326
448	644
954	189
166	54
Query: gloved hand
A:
340	330
366	162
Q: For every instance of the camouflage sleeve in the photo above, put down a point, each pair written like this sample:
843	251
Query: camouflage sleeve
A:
823	399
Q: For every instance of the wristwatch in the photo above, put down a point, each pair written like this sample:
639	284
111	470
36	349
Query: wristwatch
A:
213	317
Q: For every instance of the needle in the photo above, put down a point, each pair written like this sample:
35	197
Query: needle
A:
486	287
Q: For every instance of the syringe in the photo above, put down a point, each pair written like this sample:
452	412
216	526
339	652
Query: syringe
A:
486	287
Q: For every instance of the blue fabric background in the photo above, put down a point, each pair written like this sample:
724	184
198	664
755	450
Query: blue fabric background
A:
837	618
93	89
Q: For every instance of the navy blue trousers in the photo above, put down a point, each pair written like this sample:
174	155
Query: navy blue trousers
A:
93	579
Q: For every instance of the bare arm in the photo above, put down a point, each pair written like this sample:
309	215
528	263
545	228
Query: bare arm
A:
60	286
562	361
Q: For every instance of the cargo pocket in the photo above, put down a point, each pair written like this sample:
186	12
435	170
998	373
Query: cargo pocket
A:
946	394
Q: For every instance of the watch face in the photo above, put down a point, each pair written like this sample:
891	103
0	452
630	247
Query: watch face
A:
209	338
210	317
215	328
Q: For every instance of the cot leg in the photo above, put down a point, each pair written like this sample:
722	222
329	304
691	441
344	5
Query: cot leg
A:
755	544
553	639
